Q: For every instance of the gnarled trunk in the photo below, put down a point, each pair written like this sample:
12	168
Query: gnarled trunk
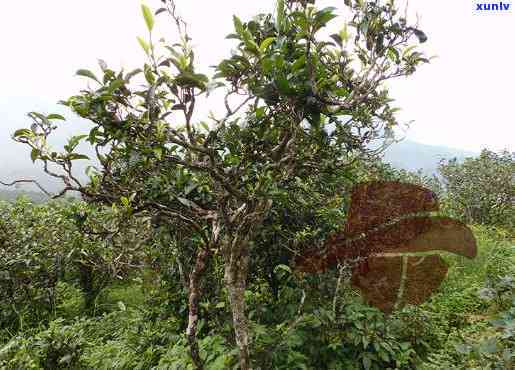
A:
236	248
236	268
194	293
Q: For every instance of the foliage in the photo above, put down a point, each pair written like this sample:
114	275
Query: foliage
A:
43	245
482	190
122	339
58	347
177	256
300	108
359	338
476	325
139	322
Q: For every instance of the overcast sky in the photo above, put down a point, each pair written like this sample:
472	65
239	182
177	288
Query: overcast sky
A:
463	99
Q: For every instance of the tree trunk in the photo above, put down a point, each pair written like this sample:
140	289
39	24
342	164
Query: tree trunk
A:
194	294
236	269
236	249
86	281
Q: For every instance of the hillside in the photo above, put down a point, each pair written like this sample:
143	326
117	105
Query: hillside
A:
412	156
12	195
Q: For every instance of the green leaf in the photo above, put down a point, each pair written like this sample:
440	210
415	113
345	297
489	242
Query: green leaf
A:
149	75
384	355
285	268
238	25
338	39
39	116
149	18
301	21
393	54
23	133
267	65
266	43
420	35
34	154
250	44
260	112
116	84
125	201
75	156
344	33
160	10
408	50
366	341
299	63
87	73
324	16
405	346
158	152
283	85
73	142
55	116
187	79
144	45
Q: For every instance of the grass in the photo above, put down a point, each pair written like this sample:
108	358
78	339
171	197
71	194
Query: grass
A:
458	315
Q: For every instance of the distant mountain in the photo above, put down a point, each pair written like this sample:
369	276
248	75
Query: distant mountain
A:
412	156
12	195
31	191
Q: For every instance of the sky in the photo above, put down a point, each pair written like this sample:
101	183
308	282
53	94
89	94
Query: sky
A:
463	99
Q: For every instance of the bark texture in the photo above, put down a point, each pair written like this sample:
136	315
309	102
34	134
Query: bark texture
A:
194	294
236	248
235	276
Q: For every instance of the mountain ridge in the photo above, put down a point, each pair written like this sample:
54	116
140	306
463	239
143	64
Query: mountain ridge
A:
413	156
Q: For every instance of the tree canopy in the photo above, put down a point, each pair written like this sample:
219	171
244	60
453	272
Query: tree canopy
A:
301	109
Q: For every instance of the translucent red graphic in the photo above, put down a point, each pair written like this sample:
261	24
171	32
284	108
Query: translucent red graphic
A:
387	241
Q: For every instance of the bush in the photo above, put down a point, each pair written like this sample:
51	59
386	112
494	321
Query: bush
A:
56	248
482	190
60	346
358	338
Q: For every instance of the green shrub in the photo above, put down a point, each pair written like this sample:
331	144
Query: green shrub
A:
60	346
359	338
